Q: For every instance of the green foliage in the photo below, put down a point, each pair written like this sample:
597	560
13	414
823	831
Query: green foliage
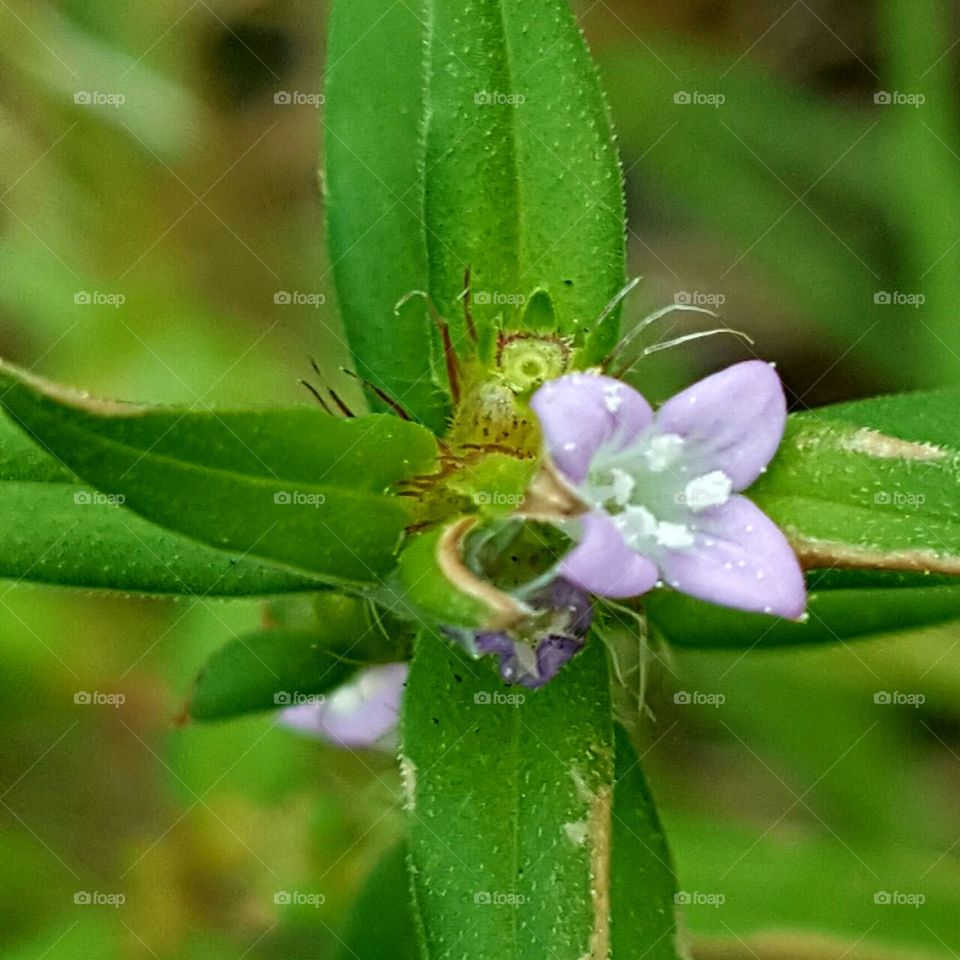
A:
264	671
478	141
832	617
296	487
305	654
375	196
511	823
642	880
55	529
476	165
382	922
522	179
874	483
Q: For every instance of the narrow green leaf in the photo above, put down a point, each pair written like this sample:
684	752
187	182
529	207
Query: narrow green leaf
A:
510	795
374	180
523	184
642	913
295	487
832	616
23	460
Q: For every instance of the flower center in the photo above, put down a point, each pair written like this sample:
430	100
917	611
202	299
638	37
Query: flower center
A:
653	492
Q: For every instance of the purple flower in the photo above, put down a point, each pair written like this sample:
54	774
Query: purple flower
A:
660	489
361	713
564	615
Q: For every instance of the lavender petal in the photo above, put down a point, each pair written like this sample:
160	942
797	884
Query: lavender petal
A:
580	413
740	559
731	421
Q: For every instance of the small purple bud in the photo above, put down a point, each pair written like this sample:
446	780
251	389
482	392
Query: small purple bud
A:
535	662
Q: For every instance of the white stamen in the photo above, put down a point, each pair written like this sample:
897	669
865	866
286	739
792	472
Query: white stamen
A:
637	523
570	446
665	450
674	536
711	490
622	485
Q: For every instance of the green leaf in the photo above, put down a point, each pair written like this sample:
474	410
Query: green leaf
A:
832	616
505	167
510	796
58	533
294	487
382	921
523	185
374	180
874	484
276	667
642	878
266	670
55	529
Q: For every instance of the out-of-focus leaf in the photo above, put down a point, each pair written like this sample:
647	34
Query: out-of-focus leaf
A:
382	922
789	185
267	670
511	802
523	184
295	487
734	862
920	187
88	81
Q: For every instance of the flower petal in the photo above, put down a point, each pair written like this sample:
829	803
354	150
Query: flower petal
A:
740	559
359	714
580	413
732	421
603	564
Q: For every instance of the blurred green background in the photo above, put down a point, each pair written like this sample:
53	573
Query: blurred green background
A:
793	166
